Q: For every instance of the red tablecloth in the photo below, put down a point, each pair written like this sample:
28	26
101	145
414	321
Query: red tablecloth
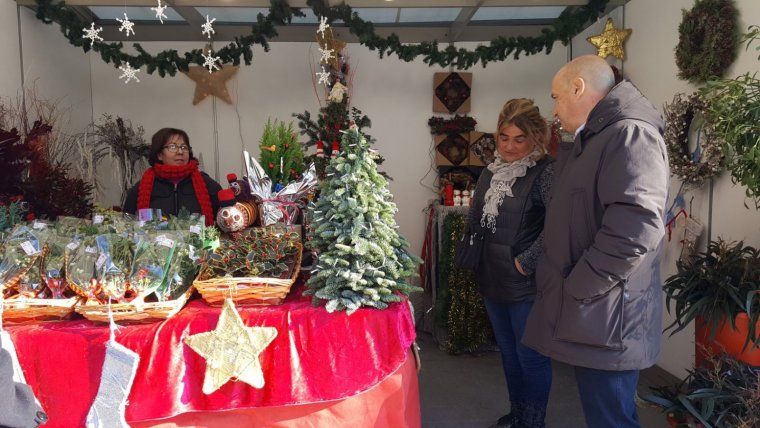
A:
316	357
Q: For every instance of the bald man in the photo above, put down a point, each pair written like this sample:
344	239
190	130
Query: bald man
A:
599	297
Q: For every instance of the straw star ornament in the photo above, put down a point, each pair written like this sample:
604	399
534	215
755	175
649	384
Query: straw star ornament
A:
232	350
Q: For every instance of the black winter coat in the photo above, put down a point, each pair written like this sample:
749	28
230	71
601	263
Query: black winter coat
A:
170	198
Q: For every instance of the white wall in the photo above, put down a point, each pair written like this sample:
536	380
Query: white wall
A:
10	69
650	64
396	96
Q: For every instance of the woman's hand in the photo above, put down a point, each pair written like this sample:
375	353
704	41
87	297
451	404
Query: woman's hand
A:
519	268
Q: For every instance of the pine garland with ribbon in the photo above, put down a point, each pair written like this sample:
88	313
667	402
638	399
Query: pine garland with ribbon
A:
568	24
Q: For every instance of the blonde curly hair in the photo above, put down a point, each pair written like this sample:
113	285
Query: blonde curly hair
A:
524	114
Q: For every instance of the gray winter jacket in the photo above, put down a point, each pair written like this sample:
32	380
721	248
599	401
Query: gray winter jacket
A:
599	296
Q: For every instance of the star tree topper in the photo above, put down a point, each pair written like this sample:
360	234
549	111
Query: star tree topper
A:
232	350
211	83
610	41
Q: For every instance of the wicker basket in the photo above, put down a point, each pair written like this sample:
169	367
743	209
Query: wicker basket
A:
135	312
19	310
249	291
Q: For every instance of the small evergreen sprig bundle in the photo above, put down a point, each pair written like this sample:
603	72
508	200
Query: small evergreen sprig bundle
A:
257	253
363	261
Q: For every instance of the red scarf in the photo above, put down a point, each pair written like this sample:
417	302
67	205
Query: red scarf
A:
176	173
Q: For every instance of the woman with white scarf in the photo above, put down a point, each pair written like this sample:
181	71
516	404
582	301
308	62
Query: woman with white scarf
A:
508	215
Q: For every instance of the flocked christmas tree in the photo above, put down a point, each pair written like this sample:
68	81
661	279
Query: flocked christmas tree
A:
363	261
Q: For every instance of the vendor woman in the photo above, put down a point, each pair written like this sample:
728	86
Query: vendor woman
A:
173	180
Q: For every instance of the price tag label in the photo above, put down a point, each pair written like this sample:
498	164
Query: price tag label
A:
195	229
164	240
90	250
101	259
29	248
71	246
97	219
38	225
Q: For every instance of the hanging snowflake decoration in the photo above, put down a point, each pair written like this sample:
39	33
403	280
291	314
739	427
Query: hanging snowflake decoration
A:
92	34
160	11
126	25
326	55
210	61
129	73
323	77
208	30
323	25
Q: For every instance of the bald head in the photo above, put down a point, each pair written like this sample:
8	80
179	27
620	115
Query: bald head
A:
578	87
594	71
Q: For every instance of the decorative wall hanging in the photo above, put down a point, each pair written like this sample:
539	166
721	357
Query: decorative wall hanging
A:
482	148
708	38
214	84
694	148
610	41
451	92
452	149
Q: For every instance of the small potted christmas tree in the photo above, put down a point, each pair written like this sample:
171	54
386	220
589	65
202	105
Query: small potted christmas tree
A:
281	153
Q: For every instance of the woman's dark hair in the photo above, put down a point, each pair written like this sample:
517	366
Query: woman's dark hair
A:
159	140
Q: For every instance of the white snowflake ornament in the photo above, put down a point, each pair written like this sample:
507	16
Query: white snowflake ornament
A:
210	62
126	25
208	30
160	11
92	34
129	73
326	55
323	25
323	77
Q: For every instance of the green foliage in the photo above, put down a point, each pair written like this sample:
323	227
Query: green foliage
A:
570	22
734	106
724	394
708	40
717	285
281	153
11	215
257	253
362	261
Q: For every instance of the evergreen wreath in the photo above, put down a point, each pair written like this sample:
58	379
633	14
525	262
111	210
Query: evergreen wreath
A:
706	162
571	22
708	37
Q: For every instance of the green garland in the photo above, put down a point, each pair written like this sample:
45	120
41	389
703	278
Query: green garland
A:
708	37
569	23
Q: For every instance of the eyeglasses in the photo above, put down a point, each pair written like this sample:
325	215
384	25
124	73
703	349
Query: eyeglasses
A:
173	148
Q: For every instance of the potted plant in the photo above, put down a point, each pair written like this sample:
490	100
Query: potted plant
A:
720	290
723	394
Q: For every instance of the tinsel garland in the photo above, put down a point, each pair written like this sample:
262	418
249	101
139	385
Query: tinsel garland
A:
692	169
459	306
568	24
455	125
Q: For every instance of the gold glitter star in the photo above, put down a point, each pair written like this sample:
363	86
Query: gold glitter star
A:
211	83
610	42
232	350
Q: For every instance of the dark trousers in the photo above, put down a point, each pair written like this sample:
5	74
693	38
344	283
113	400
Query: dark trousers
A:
608	397
528	373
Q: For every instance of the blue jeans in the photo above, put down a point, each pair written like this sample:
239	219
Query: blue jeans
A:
528	373
608	397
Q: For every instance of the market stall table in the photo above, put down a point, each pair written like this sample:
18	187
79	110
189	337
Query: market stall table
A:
322	369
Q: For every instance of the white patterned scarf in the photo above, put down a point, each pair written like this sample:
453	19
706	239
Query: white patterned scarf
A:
504	176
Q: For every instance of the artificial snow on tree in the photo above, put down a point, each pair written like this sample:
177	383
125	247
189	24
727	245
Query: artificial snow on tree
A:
363	261
281	153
